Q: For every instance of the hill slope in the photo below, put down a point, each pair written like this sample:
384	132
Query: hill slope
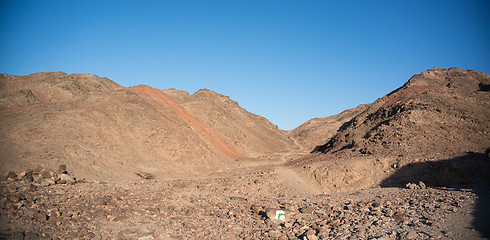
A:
96	126
316	131
250	134
440	115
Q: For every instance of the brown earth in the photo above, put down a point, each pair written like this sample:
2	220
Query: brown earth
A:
431	133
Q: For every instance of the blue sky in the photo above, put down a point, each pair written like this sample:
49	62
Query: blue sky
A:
288	61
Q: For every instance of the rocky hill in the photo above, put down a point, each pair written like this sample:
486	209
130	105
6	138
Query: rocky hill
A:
437	114
317	131
95	126
251	134
440	114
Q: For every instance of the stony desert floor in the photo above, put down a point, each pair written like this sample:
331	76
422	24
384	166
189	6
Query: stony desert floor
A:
239	204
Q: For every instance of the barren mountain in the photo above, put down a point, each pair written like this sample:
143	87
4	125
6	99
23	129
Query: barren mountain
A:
96	126
440	114
314	132
251	134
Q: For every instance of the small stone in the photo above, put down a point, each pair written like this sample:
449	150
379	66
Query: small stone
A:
97	237
67	178
312	237
43	182
255	209
384	237
121	218
324	231
21	175
45	174
238	198
389	213
190	225
35	177
411	234
50	181
334	223
398	216
3	201
307	209
28	177
144	233
145	175
422	185
11	176
62	169
412	186
178	208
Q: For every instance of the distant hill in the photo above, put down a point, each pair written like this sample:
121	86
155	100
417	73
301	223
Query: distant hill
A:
317	131
102	130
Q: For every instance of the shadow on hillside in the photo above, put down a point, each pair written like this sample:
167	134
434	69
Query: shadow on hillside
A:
469	171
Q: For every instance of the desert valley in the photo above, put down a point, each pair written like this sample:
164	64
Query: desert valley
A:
85	158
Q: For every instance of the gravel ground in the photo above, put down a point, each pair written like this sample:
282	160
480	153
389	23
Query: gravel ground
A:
236	206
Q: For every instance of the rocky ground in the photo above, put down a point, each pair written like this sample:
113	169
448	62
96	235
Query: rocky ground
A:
237	205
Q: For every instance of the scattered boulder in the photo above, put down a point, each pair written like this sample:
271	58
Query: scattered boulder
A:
43	177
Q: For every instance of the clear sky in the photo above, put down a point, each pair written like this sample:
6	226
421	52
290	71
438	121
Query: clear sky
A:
288	61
